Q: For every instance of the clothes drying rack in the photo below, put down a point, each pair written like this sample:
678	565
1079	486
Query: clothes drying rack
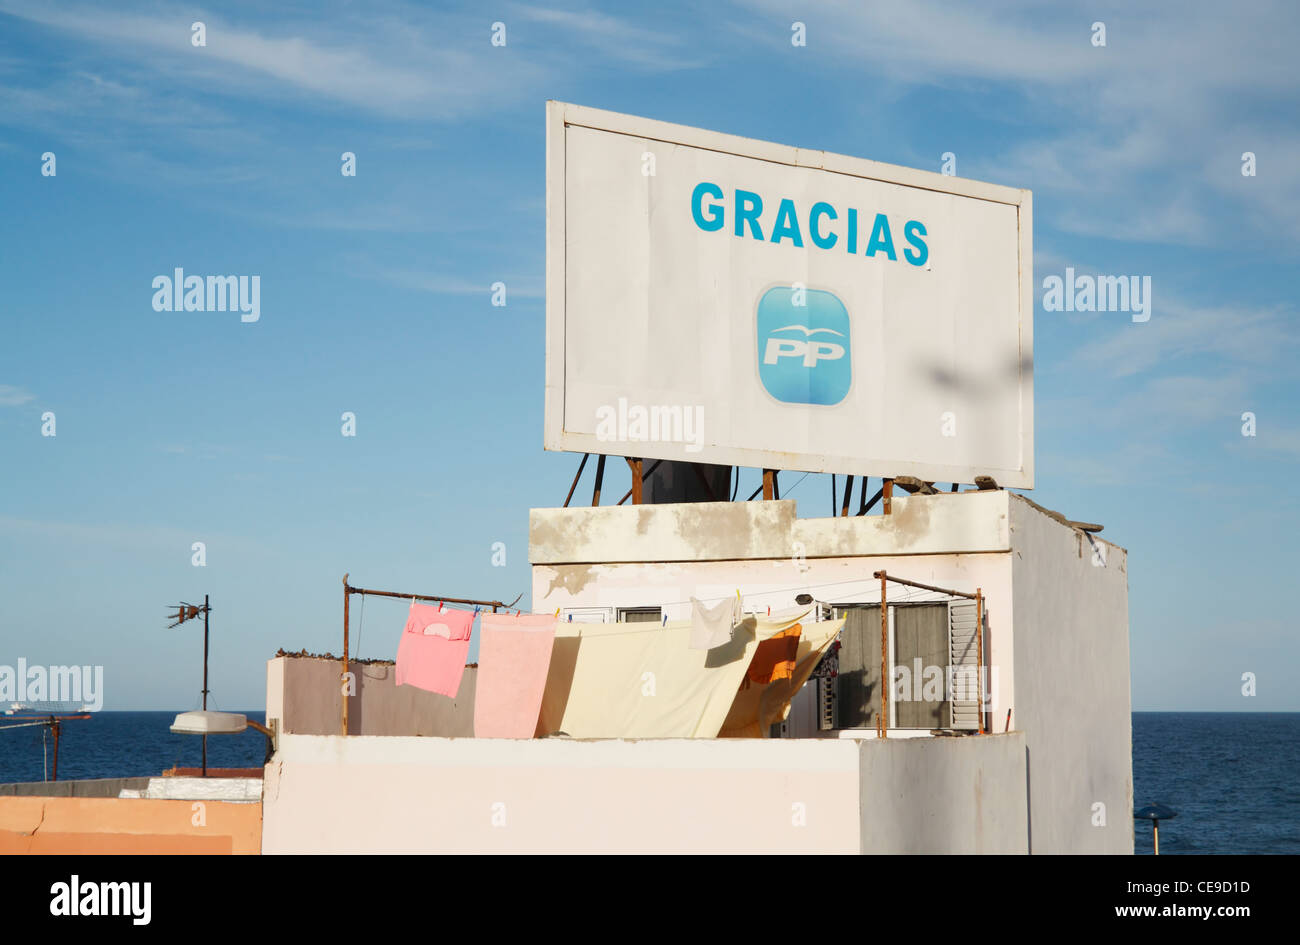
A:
349	590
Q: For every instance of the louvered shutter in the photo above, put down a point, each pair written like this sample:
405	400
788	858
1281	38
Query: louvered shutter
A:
963	650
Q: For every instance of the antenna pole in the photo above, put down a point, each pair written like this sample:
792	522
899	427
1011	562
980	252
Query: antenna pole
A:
205	681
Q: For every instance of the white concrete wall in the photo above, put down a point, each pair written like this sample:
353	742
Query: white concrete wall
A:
945	795
365	794
327	794
244	790
1072	685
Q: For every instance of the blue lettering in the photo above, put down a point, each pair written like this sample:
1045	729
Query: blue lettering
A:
716	212
880	238
787	224
912	232
748	208
709	211
821	209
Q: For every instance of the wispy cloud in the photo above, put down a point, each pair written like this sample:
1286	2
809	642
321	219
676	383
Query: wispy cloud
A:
397	65
1229	335
615	38
423	280
119	535
11	396
1165	108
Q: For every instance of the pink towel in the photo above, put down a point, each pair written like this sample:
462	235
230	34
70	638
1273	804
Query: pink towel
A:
513	658
432	652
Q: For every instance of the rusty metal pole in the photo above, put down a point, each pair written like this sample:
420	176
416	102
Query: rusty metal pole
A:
887	490
343	678
848	494
581	466
205	682
635	464
979	657
600	479
883	722
769	486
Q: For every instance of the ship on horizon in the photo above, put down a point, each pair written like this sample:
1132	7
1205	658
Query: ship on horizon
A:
42	708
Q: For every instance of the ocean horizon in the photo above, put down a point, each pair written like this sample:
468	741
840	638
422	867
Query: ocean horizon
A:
1229	775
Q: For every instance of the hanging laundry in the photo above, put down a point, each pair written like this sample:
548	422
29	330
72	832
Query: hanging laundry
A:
513	659
757	708
775	657
630	681
712	626
433	648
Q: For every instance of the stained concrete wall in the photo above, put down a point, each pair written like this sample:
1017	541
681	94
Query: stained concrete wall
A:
1057	633
305	694
328	794
944	795
968	522
90	825
1070	609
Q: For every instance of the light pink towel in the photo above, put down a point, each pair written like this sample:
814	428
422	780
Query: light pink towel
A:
434	645
514	655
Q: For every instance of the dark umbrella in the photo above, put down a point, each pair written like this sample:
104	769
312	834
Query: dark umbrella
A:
1155	813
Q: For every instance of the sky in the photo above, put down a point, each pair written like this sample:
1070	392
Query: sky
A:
173	428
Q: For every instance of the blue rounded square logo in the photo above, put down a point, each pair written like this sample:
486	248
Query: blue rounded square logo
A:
804	354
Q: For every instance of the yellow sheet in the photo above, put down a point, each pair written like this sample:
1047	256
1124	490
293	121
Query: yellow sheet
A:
644	681
757	708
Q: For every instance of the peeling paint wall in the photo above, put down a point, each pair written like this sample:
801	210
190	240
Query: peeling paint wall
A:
967	522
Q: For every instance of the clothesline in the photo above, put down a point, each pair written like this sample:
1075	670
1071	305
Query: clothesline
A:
902	596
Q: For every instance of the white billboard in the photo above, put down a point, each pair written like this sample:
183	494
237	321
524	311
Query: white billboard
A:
716	299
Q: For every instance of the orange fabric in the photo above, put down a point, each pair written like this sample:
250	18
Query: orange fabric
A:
775	657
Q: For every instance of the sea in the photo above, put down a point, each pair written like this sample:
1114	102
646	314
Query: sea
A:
1232	777
120	745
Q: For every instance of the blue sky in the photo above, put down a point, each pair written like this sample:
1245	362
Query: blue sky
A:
181	427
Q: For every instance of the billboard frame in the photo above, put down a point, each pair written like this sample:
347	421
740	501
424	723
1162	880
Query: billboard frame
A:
562	115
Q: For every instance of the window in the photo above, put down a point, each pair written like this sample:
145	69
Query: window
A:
587	615
933	656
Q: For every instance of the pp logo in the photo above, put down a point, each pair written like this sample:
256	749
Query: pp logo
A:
804	350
